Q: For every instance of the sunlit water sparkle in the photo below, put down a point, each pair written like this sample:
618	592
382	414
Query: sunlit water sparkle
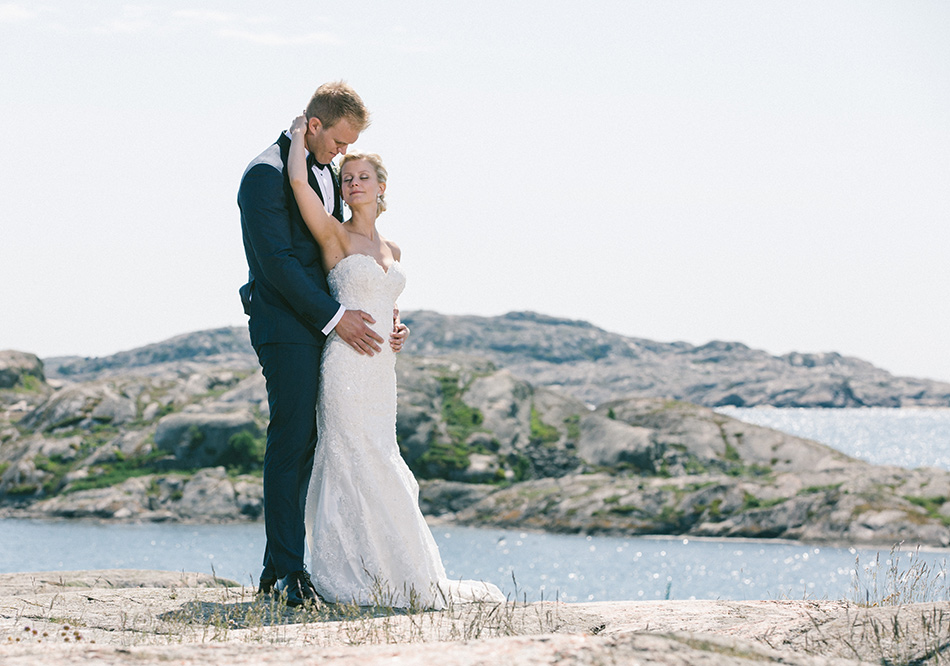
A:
905	437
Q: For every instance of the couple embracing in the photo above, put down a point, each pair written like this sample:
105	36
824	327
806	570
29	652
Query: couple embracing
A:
321	298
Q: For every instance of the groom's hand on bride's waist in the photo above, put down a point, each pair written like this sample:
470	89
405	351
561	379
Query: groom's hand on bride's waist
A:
353	330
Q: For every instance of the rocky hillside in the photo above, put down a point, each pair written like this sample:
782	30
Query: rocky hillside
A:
183	440
221	346
595	366
585	362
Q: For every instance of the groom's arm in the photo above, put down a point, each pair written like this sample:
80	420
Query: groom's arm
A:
263	204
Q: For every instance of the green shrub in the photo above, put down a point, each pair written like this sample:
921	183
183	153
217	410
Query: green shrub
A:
29	384
814	490
244	453
441	461
572	424
624	509
931	505
22	490
66	422
694	466
113	473
56	467
670	515
460	419
732	454
520	465
750	501
541	432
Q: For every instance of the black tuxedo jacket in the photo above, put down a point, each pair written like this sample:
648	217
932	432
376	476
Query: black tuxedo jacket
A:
286	296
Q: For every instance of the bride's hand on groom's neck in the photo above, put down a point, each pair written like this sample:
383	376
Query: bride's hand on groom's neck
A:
299	125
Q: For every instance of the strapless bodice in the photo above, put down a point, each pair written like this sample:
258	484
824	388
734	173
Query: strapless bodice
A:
359	283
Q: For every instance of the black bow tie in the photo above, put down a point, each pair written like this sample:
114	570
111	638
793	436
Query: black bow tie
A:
312	161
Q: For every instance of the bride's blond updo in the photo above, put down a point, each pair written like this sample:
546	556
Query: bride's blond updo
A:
381	173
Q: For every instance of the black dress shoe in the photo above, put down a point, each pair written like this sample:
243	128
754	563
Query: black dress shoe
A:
297	590
266	584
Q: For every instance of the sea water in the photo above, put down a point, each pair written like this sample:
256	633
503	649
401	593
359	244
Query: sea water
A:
916	437
526	565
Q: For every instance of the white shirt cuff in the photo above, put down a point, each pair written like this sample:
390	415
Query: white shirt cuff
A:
333	322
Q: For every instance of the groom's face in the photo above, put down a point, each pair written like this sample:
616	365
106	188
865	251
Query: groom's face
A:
327	142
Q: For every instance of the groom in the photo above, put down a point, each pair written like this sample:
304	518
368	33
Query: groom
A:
291	313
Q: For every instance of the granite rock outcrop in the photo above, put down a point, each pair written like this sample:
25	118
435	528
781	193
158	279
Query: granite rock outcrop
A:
496	418
16	368
184	440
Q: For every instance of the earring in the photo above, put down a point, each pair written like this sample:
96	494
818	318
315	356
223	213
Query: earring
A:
379	198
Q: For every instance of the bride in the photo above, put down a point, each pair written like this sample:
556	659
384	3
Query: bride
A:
368	541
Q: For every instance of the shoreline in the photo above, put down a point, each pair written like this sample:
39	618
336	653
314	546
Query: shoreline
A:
442	521
535	566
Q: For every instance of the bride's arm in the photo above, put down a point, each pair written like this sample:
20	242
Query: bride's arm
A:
326	229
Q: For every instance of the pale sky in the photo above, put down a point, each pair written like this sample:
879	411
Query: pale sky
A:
775	173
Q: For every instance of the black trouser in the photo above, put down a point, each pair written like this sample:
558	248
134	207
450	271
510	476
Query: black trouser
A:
292	373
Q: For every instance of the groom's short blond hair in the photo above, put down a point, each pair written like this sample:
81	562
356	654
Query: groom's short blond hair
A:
336	100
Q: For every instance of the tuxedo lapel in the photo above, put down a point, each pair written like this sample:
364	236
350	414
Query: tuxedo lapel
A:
312	179
337	194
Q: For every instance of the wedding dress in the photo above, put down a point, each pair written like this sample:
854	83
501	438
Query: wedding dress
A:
367	538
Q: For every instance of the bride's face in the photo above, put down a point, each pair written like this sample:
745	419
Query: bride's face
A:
360	184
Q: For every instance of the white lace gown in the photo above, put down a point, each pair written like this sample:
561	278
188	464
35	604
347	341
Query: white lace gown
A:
367	538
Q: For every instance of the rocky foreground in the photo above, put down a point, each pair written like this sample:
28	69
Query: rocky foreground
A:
153	617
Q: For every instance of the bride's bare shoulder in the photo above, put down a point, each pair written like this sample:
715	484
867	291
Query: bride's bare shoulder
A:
397	253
